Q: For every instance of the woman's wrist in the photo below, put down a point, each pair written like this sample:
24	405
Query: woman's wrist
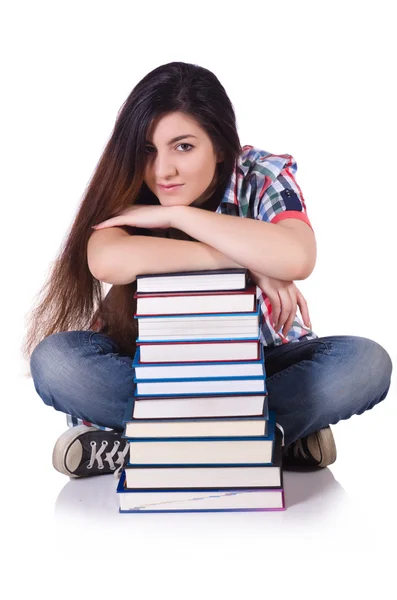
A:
177	216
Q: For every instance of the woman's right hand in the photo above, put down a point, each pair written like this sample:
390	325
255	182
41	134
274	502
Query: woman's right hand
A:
284	297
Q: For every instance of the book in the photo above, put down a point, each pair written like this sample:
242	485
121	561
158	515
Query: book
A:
203	451
206	427
168	501
187	370
186	281
198	327
213	385
150	477
195	406
166	303
194	351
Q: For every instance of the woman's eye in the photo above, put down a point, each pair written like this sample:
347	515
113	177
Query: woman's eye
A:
148	149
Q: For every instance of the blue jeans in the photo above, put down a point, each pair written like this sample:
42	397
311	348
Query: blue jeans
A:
311	384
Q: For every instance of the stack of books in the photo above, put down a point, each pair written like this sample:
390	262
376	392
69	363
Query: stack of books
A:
201	436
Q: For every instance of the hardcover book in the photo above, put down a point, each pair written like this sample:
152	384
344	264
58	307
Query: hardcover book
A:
214	385
196	302
196	406
200	326
195	350
185	281
189	370
209	427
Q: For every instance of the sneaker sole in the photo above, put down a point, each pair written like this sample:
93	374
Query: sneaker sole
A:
62	445
327	444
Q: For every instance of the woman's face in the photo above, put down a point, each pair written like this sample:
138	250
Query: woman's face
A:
190	161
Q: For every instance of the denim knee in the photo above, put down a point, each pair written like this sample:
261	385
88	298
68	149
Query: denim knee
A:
376	372
81	373
54	359
361	380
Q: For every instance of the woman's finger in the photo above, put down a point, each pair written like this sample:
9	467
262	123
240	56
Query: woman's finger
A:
303	308
292	313
276	307
285	307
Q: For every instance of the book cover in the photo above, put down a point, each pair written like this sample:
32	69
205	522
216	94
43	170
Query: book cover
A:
199	317
203	369
190	351
232	337
200	326
169	501
196	406
207	427
213	385
270	436
208	280
151	304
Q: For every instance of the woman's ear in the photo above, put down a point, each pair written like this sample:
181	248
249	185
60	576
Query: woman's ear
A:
221	156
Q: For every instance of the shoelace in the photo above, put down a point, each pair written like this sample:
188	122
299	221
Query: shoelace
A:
96	455
282	433
297	449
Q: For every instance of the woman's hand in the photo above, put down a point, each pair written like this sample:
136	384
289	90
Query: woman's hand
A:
284	297
147	217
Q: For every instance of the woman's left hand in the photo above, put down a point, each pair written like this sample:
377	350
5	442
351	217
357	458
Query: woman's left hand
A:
284	297
148	217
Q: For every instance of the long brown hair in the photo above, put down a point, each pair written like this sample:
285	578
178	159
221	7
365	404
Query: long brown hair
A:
72	298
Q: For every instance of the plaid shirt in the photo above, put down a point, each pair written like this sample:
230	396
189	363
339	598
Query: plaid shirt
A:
263	187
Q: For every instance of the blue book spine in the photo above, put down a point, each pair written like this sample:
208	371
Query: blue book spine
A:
164	365
231	491
271	432
138	392
129	411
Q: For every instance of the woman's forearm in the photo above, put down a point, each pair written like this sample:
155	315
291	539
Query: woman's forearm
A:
138	254
263	247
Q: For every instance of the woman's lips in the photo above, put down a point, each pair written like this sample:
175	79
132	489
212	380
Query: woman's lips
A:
170	189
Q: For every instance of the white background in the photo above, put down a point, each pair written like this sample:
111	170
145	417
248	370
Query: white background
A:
312	79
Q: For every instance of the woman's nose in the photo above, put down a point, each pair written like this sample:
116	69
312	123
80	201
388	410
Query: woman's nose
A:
164	168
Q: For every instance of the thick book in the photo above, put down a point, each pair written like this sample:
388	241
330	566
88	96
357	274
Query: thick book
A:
188	428
213	385
194	351
182	407
204	451
198	327
186	281
167	303
196	500
188	370
148	477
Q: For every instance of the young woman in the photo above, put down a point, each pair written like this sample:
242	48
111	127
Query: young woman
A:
164	197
